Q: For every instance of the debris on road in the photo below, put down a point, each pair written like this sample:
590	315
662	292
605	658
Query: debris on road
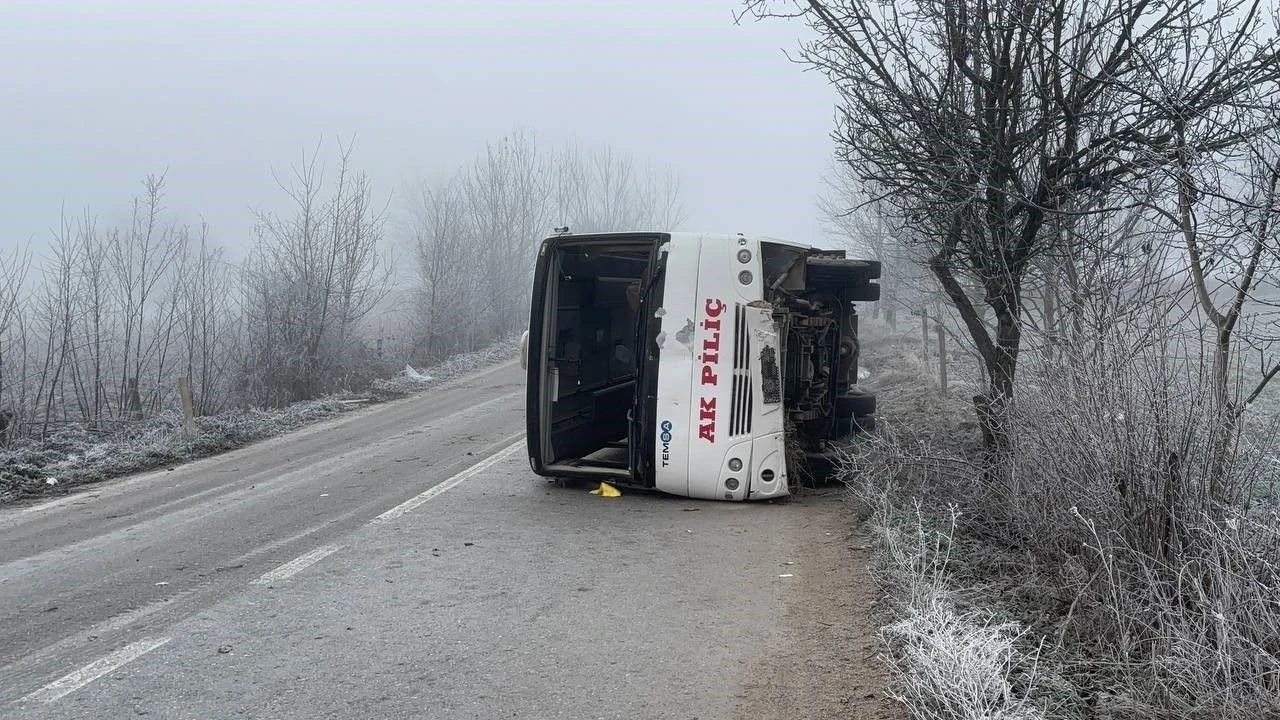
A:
416	376
607	490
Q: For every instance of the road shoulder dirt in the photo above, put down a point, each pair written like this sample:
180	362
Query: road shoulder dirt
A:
825	663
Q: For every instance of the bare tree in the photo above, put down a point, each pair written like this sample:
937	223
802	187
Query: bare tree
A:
96	290
56	313
663	201
602	190
505	189
447	258
1226	216
857	223
139	258
14	267
314	276
475	236
979	122
205	321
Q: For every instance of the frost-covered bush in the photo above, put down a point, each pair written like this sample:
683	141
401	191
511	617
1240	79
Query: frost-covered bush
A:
72	455
1144	584
410	380
950	664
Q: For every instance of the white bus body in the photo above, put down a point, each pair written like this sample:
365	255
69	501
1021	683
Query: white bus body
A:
689	363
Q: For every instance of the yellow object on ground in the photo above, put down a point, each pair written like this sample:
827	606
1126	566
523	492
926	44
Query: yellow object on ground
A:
607	490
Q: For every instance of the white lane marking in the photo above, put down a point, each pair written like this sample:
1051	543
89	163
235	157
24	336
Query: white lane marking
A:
297	565
417	500
93	545
69	683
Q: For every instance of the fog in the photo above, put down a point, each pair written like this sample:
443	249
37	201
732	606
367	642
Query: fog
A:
98	95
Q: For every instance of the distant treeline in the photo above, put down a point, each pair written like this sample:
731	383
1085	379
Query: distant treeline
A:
99	330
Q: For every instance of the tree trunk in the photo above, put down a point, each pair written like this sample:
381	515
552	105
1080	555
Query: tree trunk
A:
1226	421
942	355
1051	337
999	355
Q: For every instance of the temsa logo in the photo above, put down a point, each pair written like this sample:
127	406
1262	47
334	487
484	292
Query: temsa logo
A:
666	442
710	358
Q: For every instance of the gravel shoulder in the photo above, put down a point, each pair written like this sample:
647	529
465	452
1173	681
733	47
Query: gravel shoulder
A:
825	663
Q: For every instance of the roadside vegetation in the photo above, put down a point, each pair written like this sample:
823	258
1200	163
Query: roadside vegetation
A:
1094	578
337	297
1082	200
75	454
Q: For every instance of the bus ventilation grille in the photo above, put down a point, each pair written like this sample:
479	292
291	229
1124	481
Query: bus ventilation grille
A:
740	403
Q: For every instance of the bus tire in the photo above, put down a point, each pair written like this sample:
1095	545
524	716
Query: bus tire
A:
849	426
855	403
829	272
823	468
866	292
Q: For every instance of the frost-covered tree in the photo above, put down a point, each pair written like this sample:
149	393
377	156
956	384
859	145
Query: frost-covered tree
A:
980	123
314	275
475	237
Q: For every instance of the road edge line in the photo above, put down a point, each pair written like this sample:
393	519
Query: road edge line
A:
296	565
421	498
73	681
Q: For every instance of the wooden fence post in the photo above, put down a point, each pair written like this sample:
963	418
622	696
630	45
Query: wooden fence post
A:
188	407
942	357
924	334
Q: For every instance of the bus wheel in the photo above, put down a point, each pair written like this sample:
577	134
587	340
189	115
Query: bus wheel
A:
857	402
866	292
844	427
829	272
823	467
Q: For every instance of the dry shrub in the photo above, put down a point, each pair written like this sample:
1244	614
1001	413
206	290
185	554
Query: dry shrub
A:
1101	547
1173	570
951	664
953	657
1200	632
926	441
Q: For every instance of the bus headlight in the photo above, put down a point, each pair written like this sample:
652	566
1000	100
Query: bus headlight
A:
735	464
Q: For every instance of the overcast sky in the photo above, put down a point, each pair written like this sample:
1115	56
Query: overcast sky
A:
97	95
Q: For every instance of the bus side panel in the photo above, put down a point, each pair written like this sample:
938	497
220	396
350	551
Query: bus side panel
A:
675	368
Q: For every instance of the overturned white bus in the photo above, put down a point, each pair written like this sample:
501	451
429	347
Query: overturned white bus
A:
689	363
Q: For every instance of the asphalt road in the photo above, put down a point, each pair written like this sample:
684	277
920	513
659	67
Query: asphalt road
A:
403	562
